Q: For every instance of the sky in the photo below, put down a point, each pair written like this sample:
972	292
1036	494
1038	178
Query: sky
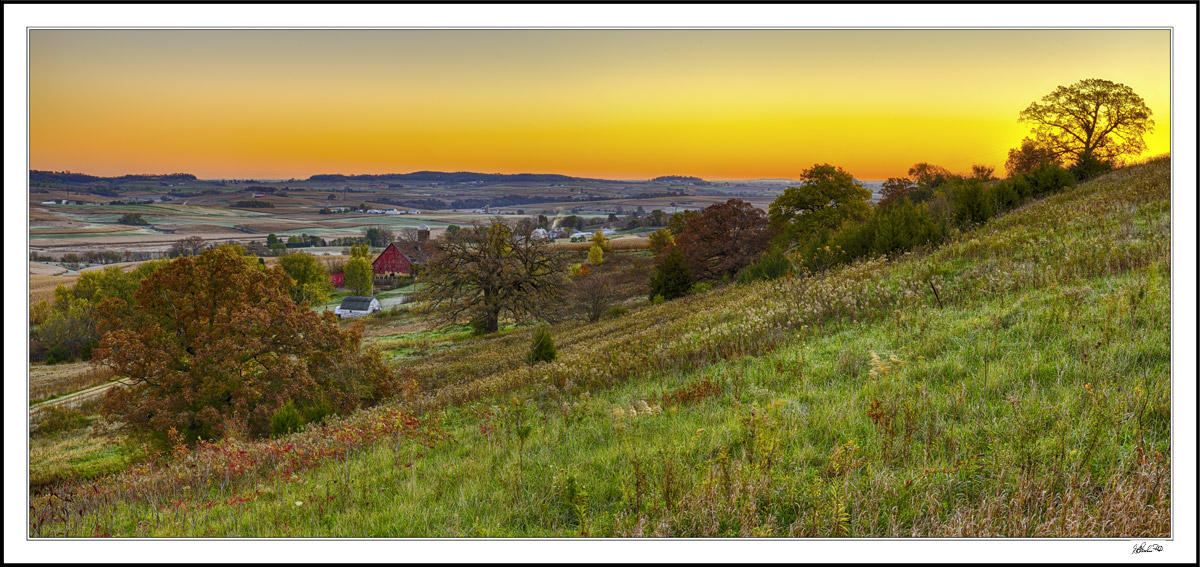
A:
618	104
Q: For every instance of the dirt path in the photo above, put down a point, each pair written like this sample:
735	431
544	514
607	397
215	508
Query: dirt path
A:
76	398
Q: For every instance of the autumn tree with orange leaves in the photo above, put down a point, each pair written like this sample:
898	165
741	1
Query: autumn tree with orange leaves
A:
213	346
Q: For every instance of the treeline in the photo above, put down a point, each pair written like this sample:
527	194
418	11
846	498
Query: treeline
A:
252	204
828	220
458	177
678	179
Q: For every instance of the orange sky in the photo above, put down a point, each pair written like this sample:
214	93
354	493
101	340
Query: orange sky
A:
631	104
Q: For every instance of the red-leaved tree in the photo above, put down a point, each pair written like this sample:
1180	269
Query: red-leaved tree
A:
723	239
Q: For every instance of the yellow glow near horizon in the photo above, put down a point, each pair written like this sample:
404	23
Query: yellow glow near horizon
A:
633	104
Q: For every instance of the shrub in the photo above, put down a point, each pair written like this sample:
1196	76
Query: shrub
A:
541	348
57	354
672	277
1006	195
971	202
286	419
1048	178
1089	167
772	265
701	287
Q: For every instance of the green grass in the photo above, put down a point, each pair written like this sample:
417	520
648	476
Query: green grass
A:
1035	403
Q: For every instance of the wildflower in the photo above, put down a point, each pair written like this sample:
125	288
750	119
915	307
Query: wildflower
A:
299	503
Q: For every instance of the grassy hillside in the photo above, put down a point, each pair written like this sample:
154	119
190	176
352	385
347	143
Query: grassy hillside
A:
1013	382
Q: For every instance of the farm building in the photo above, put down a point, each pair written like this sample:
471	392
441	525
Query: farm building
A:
357	306
337	279
399	258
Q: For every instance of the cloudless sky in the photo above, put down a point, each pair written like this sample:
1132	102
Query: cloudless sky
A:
629	104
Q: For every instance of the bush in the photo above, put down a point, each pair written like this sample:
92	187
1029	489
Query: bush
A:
701	287
286	419
1006	195
672	277
541	348
1048	178
772	265
1088	168
971	202
58	354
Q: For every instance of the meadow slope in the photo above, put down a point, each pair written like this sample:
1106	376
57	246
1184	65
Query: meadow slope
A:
1013	382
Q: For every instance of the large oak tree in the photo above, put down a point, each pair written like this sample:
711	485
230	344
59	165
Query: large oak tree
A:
1093	119
214	344
486	271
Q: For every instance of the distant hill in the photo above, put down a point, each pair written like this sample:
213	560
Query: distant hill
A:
38	176
459	177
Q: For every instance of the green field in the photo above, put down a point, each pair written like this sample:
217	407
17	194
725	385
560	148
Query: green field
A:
1014	382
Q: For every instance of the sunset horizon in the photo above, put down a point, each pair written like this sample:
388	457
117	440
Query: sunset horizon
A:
610	104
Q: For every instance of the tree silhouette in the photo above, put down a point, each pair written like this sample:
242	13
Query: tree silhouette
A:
1093	119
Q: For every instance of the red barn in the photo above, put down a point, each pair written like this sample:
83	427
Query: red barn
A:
399	258
337	279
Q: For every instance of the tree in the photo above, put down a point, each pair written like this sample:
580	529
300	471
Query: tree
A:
982	172
213	346
132	218
190	246
272	239
724	239
657	217
1093	119
660	239
803	217
678	221
672	278
594	294
379	236
598	239
310	281
483	271
595	255
359	276
1028	157
360	251
928	177
895	189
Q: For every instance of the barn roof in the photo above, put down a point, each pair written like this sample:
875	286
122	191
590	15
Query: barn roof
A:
357	303
415	252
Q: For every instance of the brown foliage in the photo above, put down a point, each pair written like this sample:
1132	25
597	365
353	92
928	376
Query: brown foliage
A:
214	345
725	238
